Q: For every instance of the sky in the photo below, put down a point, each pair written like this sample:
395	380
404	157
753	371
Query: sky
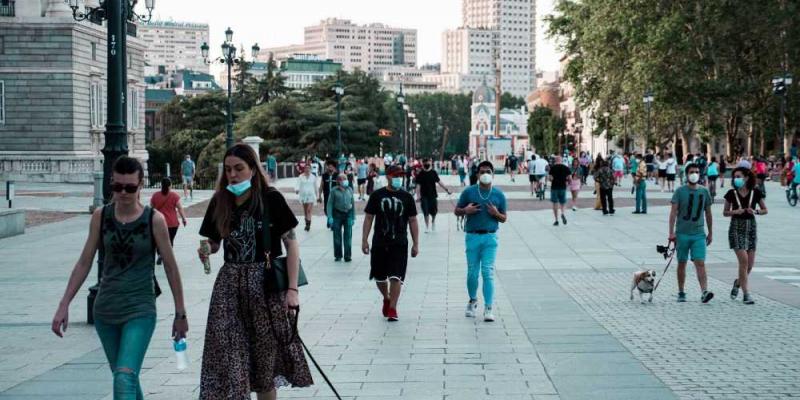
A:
277	23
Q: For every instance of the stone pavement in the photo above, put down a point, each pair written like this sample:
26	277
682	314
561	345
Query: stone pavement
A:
565	327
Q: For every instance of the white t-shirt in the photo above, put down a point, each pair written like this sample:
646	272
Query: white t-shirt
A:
531	167
540	166
661	164
672	166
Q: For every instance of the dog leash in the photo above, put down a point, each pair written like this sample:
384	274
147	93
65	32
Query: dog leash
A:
313	360
671	251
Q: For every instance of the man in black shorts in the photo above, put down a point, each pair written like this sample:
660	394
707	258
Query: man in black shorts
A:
393	210
650	160
426	181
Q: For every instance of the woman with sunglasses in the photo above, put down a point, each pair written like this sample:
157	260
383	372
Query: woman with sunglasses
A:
127	235
742	204
250	344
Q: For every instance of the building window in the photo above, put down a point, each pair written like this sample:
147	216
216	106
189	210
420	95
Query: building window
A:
94	51
2	102
95	105
133	108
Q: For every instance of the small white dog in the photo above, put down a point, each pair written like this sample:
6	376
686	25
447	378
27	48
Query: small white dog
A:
644	281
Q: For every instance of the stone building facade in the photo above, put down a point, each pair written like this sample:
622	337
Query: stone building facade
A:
53	75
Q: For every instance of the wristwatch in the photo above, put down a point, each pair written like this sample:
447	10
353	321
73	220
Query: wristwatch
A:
180	316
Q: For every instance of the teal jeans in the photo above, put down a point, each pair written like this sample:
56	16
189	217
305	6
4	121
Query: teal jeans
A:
481	254
342	235
641	196
125	345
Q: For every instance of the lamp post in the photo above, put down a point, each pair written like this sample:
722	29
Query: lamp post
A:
117	13
648	101
401	100
229	58
607	114
578	131
406	112
411	118
780	88
339	90
624	108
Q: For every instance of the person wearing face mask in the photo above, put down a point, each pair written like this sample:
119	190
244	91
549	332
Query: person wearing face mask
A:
250	345
742	204
395	213
690	213
485	208
341	216
426	181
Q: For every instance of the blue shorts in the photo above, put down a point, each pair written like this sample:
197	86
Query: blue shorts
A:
696	244
558	196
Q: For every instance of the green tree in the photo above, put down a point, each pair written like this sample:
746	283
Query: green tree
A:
543	130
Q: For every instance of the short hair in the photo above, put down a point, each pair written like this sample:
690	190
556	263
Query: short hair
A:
128	165
486	163
692	166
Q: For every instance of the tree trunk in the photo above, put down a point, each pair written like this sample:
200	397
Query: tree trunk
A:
751	133
444	142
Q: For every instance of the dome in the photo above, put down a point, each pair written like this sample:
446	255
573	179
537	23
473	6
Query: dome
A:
483	94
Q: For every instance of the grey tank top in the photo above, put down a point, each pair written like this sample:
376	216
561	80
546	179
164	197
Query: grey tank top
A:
127	288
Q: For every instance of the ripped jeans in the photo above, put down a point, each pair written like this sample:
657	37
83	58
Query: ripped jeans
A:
125	345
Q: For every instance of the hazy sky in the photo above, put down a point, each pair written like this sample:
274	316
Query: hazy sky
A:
276	23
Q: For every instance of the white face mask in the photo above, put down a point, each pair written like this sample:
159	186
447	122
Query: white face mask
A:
693	178
486	179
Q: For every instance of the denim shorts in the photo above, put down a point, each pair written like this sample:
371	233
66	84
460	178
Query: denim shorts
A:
558	196
694	244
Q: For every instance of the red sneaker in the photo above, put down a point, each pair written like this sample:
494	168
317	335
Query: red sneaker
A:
386	308
393	315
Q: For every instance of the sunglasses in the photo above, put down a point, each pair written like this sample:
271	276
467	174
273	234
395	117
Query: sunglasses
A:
118	187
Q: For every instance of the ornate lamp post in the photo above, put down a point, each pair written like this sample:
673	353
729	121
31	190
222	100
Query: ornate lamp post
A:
117	13
780	88
339	90
229	58
401	101
648	101
624	108
406	112
607	114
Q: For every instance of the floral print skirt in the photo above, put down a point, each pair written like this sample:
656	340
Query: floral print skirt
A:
742	234
249	344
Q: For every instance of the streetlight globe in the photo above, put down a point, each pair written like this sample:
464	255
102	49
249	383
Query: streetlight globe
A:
255	49
229	35
788	80
204	50
606	114
150	4
73	3
401	99
225	49
406	107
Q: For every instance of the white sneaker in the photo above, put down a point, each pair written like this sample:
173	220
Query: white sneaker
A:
433	226
472	307
427	229
487	315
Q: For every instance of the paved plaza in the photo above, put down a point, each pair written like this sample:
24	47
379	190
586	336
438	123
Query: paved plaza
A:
565	328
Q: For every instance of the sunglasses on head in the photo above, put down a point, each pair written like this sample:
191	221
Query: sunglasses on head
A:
118	187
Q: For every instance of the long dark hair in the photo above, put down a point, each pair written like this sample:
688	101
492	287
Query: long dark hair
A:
165	184
225	201
749	177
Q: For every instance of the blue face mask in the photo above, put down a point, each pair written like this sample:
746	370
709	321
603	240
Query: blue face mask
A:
239	188
397	183
345	184
738	182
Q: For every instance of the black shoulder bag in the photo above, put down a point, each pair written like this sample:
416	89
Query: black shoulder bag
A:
276	276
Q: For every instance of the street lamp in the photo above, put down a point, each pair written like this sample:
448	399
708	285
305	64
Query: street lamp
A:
780	88
648	101
406	111
624	108
607	114
339	90
401	100
117	13
229	58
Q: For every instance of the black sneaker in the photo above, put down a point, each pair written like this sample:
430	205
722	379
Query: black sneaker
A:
706	297
746	299
555	223
636	212
563	219
681	297
348	259
735	290
337	260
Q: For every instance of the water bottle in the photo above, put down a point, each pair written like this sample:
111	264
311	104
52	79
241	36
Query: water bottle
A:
180	354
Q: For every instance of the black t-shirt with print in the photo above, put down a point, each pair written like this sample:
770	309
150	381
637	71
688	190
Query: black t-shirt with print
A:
328	182
560	173
730	197
245	244
392	210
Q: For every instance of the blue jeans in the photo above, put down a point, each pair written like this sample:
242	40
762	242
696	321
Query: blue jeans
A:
342	232
125	345
641	196
481	253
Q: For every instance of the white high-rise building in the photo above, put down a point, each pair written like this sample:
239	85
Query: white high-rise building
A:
370	48
494	32
173	46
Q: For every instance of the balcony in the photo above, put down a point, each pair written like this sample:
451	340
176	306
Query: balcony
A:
6	8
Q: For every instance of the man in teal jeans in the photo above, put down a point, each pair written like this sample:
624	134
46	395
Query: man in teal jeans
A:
687	230
485	207
341	216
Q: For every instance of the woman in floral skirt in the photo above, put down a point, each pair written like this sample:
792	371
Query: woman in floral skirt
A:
250	345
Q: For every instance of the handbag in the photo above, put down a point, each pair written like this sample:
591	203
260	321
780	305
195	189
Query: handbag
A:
276	274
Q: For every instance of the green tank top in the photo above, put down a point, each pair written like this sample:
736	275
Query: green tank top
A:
127	288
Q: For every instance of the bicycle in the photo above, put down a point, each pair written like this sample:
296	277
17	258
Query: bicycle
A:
791	194
542	187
